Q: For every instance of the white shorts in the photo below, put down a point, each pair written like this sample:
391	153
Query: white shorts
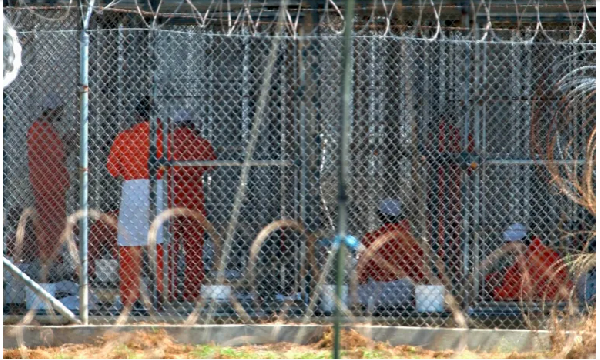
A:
134	220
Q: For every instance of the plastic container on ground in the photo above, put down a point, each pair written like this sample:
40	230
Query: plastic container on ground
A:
430	298
219	293
328	297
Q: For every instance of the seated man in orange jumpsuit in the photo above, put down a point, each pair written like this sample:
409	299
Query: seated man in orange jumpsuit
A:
128	160
47	154
537	274
189	193
398	258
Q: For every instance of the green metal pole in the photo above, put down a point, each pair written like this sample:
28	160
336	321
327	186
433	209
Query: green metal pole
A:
343	169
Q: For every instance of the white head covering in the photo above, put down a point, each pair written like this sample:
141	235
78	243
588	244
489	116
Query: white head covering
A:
515	232
52	101
390	207
181	116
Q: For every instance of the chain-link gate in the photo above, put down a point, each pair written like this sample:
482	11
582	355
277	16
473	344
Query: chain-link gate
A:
242	130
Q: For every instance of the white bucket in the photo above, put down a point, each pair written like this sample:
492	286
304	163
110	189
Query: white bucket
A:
328	297
107	271
430	298
36	303
220	293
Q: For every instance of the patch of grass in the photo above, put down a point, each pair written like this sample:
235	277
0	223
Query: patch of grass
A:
308	354
204	351
123	351
63	356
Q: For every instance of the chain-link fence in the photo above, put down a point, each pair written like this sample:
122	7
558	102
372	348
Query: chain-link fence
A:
449	147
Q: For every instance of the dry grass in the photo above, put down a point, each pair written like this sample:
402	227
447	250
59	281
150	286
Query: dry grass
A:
158	345
575	344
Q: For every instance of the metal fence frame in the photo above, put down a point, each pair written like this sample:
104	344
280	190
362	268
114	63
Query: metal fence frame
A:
304	202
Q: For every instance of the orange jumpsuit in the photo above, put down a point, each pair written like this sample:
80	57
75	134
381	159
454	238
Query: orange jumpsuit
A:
546	276
189	193
49	179
129	158
397	252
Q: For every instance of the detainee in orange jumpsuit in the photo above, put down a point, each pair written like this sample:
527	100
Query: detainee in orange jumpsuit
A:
49	178
401	251
538	274
189	193
128	160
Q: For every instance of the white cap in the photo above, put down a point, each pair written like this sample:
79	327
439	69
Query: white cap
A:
52	101
515	232
181	116
390	207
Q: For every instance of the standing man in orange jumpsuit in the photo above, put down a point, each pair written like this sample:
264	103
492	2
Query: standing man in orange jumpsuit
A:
189	193
128	160
49	178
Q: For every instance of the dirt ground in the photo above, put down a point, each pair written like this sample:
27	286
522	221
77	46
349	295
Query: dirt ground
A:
158	345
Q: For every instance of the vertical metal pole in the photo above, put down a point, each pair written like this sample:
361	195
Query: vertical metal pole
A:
514	203
476	194
303	56
465	188
246	63
464	238
482	149
120	66
438	237
305	201
315	47
372	126
171	256
424	169
83	161
153	167
447	170
528	115
295	125
283	122
166	204
245	85
153	174
343	168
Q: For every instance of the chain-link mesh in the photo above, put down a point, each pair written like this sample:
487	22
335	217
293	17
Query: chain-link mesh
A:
449	152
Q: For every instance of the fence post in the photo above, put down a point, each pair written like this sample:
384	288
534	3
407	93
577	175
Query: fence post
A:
83	160
343	169
153	160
